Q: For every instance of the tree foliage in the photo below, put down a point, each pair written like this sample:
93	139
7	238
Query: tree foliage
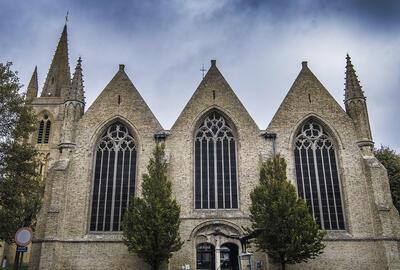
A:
20	186
17	120
391	160
151	223
289	234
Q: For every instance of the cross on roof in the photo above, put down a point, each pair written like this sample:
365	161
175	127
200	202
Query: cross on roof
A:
202	70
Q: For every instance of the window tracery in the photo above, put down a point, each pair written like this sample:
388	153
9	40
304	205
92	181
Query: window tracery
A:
114	178
317	175
216	184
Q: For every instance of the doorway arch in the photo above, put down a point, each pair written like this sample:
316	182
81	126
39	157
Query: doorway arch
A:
229	256
217	236
205	256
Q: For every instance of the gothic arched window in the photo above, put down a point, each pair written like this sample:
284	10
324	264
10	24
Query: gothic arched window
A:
216	185
114	178
44	130
317	175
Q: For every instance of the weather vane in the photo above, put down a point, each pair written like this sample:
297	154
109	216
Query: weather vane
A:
202	70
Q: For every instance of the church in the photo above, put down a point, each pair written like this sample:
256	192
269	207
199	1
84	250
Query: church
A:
93	161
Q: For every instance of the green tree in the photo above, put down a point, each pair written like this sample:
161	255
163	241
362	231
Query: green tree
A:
151	223
391	160
288	234
21	188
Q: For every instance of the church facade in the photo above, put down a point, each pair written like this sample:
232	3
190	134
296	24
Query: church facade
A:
93	161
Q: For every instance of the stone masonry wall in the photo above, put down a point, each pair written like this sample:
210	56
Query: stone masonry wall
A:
71	246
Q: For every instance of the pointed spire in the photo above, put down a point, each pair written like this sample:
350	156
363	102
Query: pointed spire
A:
58	80
77	93
356	108
74	106
353	87
33	87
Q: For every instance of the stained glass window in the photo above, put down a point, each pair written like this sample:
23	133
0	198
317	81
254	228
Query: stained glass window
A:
318	177
114	178
216	185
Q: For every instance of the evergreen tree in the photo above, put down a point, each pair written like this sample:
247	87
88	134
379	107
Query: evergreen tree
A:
151	223
391	160
21	188
288	232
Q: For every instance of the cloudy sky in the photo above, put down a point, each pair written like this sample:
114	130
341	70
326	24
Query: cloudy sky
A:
258	45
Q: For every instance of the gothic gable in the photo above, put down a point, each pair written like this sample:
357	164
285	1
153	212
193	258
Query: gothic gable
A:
213	92
120	98
119	102
308	99
307	96
214	95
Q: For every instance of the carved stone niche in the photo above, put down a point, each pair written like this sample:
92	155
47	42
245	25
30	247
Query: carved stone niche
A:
216	231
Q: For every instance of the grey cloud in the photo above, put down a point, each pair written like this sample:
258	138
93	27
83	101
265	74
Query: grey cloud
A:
259	46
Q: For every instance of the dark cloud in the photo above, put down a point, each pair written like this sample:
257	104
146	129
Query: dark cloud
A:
370	13
259	46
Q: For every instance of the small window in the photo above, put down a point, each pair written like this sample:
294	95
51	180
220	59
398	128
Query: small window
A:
40	132
47	132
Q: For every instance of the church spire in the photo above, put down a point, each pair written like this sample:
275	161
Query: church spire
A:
58	80
33	87
353	87
356	107
76	92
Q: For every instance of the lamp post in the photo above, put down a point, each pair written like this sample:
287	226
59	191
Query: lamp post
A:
245	261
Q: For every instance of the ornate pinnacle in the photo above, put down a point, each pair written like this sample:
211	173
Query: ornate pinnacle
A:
77	92
352	85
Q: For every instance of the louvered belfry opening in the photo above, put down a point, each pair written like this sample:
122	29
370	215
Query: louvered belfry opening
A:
317	175
216	185
47	132
114	178
44	130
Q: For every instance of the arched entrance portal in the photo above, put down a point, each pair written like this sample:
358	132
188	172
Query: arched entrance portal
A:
229	257
216	245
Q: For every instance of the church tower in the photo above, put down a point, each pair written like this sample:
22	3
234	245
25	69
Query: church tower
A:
356	107
59	108
49	105
60	104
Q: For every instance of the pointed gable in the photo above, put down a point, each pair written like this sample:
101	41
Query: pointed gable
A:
58	79
306	96
120	98
309	98
213	92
